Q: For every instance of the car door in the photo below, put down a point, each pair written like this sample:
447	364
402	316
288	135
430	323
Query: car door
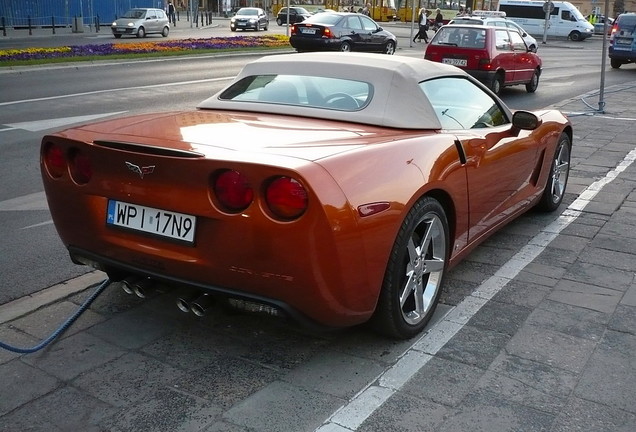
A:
505	56
523	64
374	38
352	29
262	18
151	21
501	164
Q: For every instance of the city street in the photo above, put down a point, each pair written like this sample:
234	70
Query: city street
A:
535	331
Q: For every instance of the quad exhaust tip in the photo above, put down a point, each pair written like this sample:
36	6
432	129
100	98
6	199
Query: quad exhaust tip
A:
140	286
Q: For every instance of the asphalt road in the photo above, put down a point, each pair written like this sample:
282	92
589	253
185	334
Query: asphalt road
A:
37	100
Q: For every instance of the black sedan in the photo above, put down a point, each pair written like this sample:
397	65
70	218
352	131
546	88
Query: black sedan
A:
341	31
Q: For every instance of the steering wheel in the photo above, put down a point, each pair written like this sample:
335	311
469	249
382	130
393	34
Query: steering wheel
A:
342	101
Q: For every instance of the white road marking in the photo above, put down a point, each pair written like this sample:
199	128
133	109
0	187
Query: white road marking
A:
351	415
40	125
34	201
115	90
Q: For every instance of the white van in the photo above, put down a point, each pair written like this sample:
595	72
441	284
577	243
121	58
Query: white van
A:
565	19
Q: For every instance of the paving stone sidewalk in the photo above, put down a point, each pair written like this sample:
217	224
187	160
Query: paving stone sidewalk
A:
555	349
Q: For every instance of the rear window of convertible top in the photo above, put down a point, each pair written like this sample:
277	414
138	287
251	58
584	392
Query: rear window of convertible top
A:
309	91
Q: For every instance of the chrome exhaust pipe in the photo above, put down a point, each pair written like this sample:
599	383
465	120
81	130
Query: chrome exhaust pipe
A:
143	287
127	284
185	301
202	304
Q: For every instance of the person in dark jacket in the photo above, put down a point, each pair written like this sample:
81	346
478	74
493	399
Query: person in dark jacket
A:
422	20
439	19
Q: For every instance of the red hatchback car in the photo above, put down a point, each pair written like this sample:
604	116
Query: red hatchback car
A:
496	56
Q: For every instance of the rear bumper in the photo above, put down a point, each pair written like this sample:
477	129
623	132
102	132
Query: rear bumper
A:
625	55
314	44
485	77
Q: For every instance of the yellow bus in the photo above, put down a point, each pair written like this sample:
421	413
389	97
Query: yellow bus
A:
380	10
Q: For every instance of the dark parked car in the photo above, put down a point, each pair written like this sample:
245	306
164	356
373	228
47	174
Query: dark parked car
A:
249	19
497	56
341	31
622	47
296	15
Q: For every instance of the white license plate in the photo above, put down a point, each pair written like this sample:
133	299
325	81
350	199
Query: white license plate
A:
455	62
306	30
150	220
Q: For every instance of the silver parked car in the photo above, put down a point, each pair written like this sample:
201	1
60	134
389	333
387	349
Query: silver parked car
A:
141	22
249	18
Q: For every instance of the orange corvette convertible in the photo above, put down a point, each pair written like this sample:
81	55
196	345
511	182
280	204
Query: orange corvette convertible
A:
332	188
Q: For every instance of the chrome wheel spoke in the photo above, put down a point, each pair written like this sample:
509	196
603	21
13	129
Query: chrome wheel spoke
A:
425	252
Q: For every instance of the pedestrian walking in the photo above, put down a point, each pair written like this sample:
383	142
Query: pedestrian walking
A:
422	20
172	15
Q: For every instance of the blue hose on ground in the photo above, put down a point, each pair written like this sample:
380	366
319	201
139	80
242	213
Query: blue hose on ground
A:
63	327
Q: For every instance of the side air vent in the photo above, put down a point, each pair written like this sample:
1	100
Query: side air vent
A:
146	149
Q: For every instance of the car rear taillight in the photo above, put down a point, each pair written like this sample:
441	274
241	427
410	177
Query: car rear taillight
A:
485	64
614	29
81	167
294	29
54	160
286	198
327	33
232	190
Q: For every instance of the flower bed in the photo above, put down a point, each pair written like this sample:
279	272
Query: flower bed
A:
168	46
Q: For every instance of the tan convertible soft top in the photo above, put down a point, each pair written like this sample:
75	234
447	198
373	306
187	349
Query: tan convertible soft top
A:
398	101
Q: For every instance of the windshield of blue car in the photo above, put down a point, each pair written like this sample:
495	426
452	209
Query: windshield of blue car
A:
305	91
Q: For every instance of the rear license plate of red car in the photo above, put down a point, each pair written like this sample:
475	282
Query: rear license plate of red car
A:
455	62
150	220
306	30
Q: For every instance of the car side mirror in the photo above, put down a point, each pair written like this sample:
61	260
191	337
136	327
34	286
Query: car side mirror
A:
525	120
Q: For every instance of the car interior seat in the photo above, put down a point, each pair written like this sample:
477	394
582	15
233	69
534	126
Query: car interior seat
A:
280	92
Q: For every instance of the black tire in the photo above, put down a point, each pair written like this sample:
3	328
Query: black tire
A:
558	178
279	21
141	32
117	36
575	36
497	83
531	87
345	47
415	272
165	31
389	48
615	63
232	29
533	48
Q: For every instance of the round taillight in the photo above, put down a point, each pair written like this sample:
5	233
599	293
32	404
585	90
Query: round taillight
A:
81	167
286	198
233	190
54	160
